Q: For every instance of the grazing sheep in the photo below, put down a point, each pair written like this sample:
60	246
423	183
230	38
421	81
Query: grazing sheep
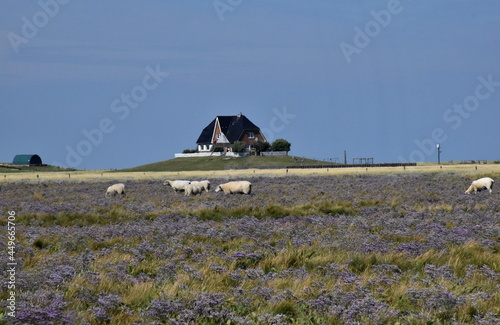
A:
205	185
115	189
244	187
192	189
478	185
177	185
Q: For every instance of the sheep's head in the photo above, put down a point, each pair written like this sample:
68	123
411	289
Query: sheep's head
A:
217	189
167	183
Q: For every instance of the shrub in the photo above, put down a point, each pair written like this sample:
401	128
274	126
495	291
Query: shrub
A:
238	146
260	146
281	145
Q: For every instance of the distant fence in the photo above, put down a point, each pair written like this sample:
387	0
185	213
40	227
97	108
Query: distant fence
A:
355	165
330	166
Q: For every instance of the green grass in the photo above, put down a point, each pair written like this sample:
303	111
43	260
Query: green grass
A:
223	163
8	168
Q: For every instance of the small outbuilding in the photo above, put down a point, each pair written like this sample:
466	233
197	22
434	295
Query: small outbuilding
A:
27	160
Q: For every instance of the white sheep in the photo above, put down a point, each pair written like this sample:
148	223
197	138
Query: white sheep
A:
244	187
177	185
205	185
478	185
115	189
192	189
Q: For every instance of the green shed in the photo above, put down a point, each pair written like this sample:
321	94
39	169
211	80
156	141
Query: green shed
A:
27	160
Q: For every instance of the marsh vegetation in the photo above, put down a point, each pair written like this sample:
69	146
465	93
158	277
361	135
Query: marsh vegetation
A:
369	249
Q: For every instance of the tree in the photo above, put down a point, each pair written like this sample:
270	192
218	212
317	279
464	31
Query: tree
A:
238	146
260	146
281	145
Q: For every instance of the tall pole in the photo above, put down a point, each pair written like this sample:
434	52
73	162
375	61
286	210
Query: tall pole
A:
439	153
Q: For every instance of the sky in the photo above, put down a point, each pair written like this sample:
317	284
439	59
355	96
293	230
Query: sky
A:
122	83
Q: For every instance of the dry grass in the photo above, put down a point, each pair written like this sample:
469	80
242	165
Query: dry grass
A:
471	171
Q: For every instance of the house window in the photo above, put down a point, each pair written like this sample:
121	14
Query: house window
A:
251	135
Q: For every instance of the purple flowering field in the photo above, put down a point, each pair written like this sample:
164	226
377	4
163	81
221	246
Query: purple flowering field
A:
356	249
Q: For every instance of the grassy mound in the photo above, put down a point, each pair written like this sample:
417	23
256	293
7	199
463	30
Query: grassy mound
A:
223	163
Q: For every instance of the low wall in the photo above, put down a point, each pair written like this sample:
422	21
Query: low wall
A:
213	154
274	153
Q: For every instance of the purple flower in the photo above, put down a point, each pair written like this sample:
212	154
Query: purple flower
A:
163	309
436	299
60	274
438	273
50	314
107	306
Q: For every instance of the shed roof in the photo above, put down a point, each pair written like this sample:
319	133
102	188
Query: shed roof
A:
27	159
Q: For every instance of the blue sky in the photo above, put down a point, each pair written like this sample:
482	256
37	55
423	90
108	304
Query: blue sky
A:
116	84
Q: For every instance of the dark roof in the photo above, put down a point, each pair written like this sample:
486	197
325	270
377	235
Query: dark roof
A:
206	134
27	160
232	126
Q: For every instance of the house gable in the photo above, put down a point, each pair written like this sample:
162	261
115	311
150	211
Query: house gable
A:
217	130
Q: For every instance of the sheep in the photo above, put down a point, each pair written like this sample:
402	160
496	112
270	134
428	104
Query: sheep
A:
115	189
192	189
244	187
177	185
205	185
478	185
